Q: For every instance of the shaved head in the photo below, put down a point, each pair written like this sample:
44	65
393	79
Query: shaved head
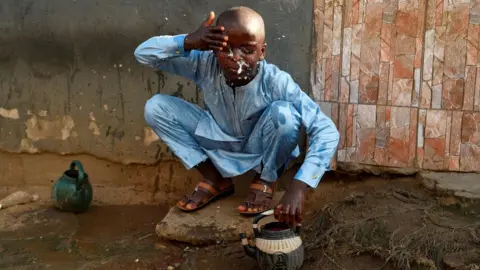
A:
246	18
244	30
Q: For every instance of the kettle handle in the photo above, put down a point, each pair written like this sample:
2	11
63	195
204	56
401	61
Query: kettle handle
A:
267	213
81	172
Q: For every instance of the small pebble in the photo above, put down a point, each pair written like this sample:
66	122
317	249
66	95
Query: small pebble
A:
137	260
159	246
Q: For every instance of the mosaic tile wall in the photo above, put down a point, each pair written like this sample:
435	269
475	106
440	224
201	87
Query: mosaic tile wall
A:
401	79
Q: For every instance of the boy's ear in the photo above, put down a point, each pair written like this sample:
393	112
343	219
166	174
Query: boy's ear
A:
263	50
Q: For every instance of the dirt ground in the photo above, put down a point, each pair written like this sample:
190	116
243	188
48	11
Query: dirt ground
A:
369	223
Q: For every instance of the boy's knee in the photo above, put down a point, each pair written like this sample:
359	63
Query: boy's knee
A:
155	108
285	117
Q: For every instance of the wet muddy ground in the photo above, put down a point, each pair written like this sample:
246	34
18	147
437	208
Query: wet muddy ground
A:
389	224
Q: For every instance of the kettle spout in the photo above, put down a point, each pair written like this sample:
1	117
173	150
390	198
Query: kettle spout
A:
249	250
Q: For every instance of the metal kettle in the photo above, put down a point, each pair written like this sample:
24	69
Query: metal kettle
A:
72	192
277	245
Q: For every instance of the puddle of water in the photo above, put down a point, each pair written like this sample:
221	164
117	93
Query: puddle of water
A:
97	239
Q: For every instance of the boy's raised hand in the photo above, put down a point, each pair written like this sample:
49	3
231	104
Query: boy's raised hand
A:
207	37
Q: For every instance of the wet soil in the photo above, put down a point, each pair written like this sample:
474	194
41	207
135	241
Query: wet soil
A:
370	224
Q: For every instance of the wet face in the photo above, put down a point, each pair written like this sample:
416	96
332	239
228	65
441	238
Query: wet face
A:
239	61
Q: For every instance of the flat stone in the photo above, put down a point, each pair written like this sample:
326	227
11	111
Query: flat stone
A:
463	185
215	223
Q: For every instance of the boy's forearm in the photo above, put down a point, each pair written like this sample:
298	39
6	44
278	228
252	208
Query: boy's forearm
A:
159	48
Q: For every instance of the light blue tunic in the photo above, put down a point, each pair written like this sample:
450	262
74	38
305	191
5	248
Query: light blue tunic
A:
231	117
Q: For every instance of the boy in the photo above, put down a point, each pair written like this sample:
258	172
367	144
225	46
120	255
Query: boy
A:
254	112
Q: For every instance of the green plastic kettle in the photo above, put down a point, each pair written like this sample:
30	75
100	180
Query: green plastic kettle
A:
72	192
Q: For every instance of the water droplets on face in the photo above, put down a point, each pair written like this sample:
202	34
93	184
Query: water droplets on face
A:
240	62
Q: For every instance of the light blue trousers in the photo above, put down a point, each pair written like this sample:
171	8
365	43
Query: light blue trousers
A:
271	144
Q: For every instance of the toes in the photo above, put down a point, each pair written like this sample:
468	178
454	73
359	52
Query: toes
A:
242	207
191	206
181	203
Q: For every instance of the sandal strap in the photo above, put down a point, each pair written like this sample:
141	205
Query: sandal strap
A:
261	187
207	186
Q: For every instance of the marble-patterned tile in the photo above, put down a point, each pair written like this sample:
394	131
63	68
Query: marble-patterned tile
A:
452	94
398	144
428	55
436	124
455	135
337	29
456	43
402	92
350	128
328	91
366	116
365	146
412	141
422	119
476	99
473	37
469	94
344	90
406	23
452	163
347	51
417	81
470	154
354	85
434	153
404	66
448	132
381	137
383	84
386	43
368	88
342	125
327	40
470	128
426	95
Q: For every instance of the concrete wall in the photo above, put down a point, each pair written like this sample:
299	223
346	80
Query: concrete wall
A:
69	84
402	81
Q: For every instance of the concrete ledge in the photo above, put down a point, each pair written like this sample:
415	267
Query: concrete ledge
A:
462	185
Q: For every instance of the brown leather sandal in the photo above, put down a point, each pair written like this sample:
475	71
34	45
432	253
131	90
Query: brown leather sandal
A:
262	198
212	193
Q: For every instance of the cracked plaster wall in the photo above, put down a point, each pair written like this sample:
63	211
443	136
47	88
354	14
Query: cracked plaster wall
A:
69	83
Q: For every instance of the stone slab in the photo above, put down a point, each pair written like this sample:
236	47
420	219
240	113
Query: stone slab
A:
463	185
215	223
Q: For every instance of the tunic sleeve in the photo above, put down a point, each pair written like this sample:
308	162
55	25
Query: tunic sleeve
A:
322	132
167	53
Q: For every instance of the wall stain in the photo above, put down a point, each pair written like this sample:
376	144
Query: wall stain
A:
115	133
24	12
156	185
120	94
159	152
100	91
68	104
161	81
179	92
149	87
